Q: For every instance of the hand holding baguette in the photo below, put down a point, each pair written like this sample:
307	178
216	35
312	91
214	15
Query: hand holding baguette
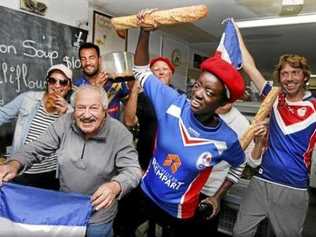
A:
250	68
162	17
262	113
145	19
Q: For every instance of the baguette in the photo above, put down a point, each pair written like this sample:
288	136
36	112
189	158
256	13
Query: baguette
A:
263	112
163	17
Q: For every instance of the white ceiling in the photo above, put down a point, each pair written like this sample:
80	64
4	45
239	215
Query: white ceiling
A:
266	43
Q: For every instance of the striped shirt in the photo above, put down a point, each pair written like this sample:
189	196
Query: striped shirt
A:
221	171
39	124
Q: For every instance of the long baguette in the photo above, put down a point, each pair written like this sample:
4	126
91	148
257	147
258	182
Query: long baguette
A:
262	113
163	17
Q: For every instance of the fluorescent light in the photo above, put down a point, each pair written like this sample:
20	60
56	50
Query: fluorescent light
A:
277	21
292	2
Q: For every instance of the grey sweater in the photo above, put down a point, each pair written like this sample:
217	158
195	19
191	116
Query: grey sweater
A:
83	164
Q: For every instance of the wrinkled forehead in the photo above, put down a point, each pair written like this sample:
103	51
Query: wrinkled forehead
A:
88	97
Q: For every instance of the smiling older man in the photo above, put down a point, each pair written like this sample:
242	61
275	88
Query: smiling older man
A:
95	155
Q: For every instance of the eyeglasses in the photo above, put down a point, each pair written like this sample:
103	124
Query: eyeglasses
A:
53	81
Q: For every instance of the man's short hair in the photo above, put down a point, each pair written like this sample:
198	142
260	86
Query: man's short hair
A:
99	90
295	61
89	45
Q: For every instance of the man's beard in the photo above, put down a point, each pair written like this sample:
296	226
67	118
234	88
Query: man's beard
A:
91	73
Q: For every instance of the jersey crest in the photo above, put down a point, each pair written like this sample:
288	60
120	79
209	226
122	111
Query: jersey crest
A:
204	160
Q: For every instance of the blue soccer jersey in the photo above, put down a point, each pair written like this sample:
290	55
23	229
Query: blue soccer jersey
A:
185	150
116	93
291	141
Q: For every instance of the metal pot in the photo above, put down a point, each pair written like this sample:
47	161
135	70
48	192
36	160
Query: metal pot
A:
119	65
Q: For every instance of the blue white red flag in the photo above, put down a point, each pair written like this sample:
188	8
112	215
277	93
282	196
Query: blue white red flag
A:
33	212
229	45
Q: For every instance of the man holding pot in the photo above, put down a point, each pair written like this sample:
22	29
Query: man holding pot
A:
93	74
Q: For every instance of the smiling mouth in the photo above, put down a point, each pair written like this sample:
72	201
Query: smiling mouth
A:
89	67
290	86
195	103
87	121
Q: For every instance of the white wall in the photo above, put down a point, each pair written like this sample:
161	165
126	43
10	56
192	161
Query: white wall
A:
70	12
154	44
163	44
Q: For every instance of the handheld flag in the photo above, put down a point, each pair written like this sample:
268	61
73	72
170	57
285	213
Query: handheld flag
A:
27	211
229	45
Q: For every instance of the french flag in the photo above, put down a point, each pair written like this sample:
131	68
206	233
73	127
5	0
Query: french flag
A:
33	212
229	45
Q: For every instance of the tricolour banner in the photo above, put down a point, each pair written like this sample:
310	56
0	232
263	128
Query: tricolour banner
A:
33	212
229	45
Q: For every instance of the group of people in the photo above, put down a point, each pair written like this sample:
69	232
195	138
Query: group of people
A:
187	152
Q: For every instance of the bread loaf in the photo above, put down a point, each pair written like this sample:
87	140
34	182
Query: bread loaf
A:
163	17
50	102
263	112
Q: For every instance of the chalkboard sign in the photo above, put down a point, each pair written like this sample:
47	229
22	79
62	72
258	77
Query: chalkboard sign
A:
29	45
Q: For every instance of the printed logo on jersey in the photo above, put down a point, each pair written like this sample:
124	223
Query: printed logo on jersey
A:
204	161
193	132
173	161
164	176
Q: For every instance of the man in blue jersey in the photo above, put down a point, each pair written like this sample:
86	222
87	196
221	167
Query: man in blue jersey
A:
279	190
191	138
90	60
